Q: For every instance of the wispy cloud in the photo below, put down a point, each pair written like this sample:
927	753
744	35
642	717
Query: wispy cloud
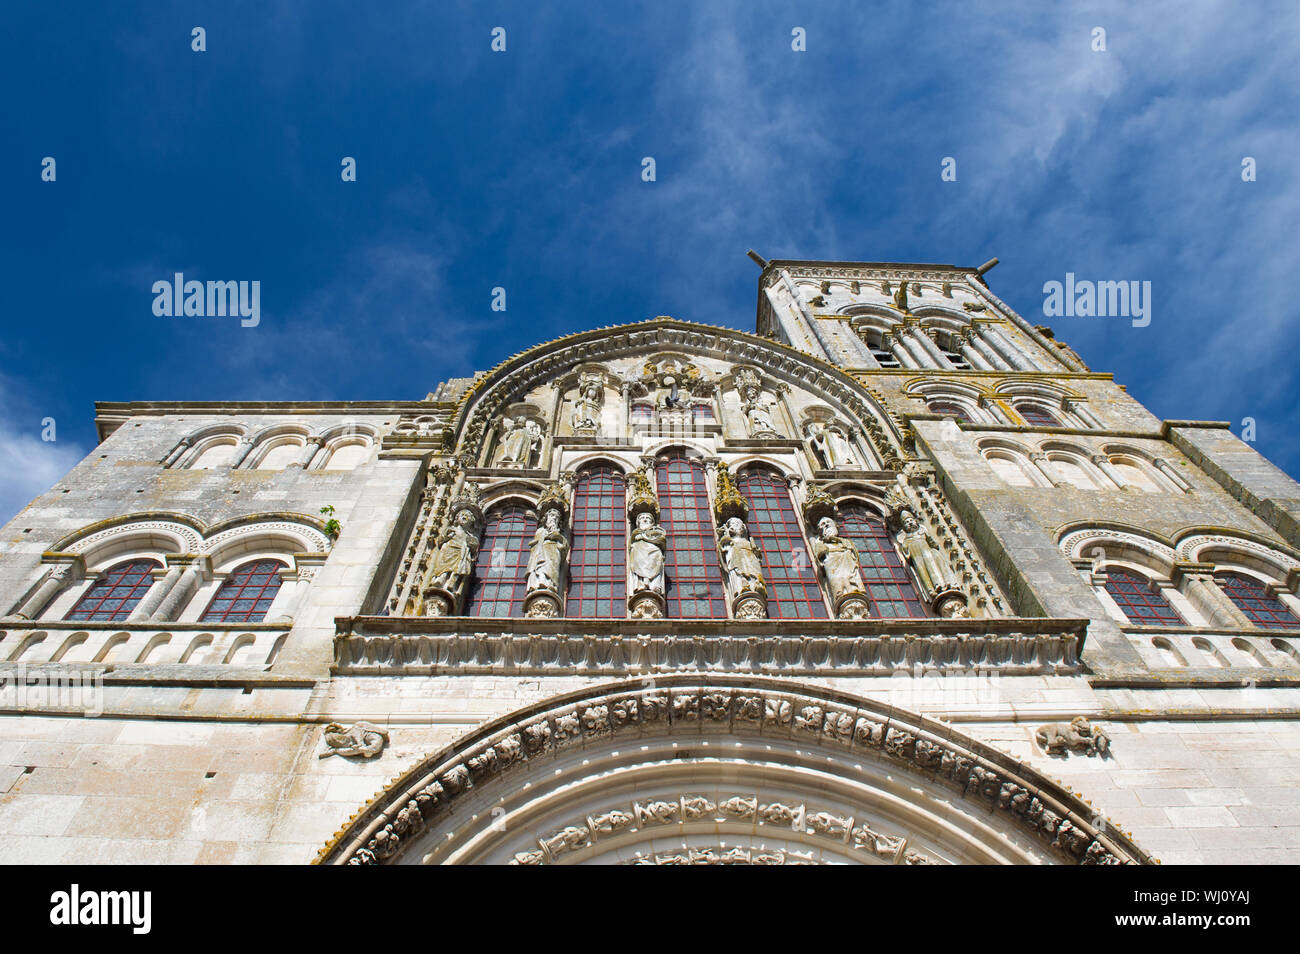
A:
29	465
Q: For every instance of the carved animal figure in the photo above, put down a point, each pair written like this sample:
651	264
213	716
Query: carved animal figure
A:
1057	738
363	739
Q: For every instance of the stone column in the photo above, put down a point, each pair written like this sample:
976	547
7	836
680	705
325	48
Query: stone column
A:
1078	409
909	337
980	344
1171	472
1045	466
179	594
176	452
1197	581
972	354
241	452
164	580
894	344
1003	345
300	578
59	576
309	451
933	350
1106	467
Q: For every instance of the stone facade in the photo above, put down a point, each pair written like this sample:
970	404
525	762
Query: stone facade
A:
897	579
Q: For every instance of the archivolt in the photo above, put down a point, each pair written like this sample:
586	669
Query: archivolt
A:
521	372
723	769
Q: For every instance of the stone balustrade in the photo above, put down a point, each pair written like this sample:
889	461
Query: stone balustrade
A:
119	645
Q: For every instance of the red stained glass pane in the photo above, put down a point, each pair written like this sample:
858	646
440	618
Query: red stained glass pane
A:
1037	415
116	593
246	594
1253	599
693	580
890	590
792	588
1141	603
598	559
501	568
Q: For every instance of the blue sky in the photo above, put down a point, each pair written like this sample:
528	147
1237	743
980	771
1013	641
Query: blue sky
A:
522	169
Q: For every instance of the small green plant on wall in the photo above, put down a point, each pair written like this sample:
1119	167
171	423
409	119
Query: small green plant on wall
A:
332	526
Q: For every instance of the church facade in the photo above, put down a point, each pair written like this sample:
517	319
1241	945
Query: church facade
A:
895	579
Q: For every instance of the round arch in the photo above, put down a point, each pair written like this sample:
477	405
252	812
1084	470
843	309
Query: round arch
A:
723	769
489	395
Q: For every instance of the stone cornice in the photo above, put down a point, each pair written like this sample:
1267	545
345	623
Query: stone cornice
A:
393	645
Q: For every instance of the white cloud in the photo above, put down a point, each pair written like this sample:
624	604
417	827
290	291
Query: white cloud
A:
29	466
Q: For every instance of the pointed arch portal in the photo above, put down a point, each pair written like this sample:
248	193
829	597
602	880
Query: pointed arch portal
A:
723	770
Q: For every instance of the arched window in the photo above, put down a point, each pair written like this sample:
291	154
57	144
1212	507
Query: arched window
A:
890	590
693	580
215	455
950	409
884	357
598	560
792	588
247	593
116	593
1140	601
280	456
951	351
1037	416
501	568
1253	599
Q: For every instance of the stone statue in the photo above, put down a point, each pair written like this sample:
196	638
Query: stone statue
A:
740	558
900	298
831	446
1058	738
454	561
522	437
546	554
361	739
586	412
649	545
757	415
838	560
930	566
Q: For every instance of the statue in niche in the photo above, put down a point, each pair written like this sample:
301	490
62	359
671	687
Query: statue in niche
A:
547	552
586	410
915	544
522	437
740	558
838	560
831	446
758	416
649	546
454	561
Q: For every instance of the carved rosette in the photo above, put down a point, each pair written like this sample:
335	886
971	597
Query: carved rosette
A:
646	605
951	603
438	602
542	604
852	606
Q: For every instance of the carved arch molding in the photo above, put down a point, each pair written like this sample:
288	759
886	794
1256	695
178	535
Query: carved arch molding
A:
694	769
486	398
